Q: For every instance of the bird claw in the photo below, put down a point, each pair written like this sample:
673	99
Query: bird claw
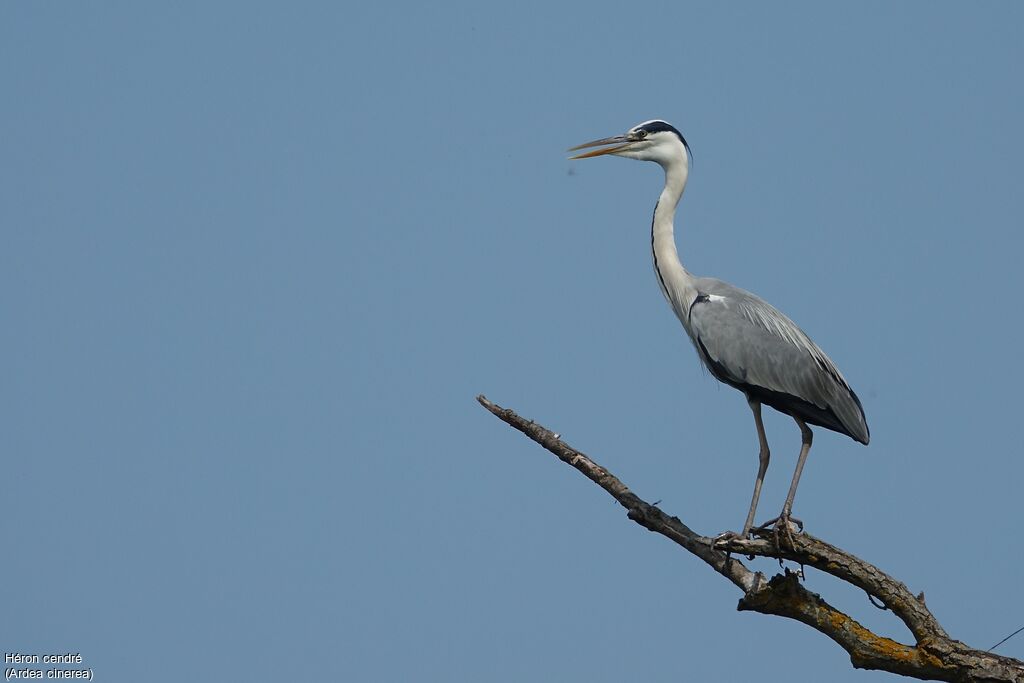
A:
785	523
727	536
790	522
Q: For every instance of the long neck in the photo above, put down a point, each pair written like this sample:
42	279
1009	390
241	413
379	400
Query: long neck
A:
676	283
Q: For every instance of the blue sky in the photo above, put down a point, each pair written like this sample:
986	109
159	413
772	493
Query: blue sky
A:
257	260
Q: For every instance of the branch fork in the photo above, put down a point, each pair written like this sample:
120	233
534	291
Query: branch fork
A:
933	656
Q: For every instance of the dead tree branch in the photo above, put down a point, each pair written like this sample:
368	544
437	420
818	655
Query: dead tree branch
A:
933	656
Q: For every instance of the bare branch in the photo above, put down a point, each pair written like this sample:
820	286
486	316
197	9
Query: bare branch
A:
813	552
934	656
642	513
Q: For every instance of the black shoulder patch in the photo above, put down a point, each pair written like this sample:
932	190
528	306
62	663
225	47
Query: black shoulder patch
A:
701	298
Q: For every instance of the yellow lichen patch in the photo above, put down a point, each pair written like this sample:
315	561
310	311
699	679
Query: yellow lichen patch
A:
890	649
885	647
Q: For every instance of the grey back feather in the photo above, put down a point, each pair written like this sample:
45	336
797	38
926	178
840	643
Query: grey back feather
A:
749	344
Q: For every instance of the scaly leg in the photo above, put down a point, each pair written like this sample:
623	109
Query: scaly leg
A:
763	456
783	520
762	467
807	436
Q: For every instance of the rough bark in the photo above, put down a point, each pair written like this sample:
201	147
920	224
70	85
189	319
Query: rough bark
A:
933	656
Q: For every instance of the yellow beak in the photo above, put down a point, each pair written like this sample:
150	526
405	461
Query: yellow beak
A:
618	143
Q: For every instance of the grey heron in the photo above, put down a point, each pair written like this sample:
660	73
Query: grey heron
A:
740	338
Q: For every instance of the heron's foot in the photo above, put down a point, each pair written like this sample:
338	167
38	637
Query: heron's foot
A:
785	524
787	521
726	536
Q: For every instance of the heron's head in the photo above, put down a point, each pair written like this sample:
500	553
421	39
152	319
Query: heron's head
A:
656	141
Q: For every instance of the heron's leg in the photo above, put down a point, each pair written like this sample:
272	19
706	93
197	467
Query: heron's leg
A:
762	467
783	520
807	436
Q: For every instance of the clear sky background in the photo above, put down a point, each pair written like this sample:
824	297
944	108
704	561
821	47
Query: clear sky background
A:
256	261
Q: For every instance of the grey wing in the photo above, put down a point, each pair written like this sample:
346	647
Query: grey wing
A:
749	344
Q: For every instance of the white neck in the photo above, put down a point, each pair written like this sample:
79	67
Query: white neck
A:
675	282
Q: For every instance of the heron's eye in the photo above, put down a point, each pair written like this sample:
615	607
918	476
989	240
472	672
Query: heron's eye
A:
641	134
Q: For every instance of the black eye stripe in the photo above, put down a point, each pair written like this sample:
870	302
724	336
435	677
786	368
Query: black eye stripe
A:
664	127
660	127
